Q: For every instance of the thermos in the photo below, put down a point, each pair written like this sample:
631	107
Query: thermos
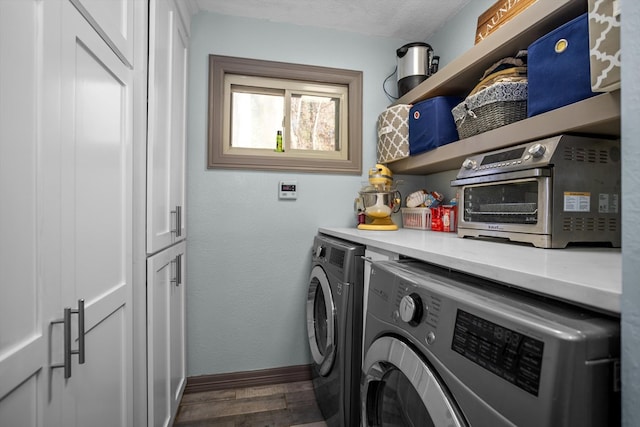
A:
415	64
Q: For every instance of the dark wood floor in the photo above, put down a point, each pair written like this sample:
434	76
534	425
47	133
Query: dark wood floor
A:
278	405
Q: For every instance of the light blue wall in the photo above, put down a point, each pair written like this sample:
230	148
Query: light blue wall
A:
249	254
451	40
458	34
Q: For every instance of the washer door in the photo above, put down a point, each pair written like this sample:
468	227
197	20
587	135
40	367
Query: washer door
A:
400	389
321	321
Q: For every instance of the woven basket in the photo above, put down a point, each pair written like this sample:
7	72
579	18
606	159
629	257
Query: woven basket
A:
498	105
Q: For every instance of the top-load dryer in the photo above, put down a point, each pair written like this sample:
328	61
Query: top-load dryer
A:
334	325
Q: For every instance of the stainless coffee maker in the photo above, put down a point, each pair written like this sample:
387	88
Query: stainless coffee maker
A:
416	63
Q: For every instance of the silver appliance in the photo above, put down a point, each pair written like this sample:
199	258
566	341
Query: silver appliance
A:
552	192
334	326
443	348
415	64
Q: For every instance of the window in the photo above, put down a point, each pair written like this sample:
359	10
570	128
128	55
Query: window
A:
316	110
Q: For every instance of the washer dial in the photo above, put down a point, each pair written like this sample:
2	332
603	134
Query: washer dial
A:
411	309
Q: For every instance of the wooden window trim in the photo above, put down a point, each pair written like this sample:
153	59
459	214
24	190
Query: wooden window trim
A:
221	65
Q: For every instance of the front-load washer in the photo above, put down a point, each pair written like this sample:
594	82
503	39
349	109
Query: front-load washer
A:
334	326
447	349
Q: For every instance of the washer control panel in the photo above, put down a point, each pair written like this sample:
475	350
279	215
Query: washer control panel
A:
511	355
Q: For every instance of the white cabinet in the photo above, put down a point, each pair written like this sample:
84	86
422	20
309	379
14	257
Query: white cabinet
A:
168	47
166	333
113	20
166	215
28	298
96	221
73	78
66	185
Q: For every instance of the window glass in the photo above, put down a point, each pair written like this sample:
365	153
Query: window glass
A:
307	114
315	123
255	119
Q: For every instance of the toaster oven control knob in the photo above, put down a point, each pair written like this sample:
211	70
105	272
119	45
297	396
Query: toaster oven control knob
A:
537	150
468	164
411	309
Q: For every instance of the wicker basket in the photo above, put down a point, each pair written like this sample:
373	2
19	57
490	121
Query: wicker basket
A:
498	105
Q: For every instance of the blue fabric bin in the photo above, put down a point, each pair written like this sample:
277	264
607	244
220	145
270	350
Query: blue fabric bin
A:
559	68
431	124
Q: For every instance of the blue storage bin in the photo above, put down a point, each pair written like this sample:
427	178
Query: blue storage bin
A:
431	124
559	67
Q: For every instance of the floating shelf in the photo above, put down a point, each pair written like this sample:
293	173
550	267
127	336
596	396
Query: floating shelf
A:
599	115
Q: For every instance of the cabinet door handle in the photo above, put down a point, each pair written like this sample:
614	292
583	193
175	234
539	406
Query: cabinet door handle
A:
66	322
80	312
177	280
178	221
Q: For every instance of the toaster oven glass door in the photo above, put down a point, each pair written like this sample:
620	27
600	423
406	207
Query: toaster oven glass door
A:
508	202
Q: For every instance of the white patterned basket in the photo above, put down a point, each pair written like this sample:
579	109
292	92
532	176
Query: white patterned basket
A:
498	105
418	218
604	45
393	134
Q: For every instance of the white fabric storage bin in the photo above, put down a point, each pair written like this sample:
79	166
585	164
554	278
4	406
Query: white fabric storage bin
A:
393	134
604	44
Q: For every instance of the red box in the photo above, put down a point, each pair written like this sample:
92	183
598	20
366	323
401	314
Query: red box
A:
444	218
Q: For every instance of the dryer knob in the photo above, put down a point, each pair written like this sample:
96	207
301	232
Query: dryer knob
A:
320	251
411	309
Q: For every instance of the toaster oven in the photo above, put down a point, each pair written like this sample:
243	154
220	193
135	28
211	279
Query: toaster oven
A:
550	193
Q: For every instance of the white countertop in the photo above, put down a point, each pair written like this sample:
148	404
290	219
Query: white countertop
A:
586	276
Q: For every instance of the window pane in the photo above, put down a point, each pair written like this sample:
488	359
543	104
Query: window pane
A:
314	123
255	119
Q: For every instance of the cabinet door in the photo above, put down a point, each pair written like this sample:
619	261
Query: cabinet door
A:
166	136
28	295
165	334
179	45
96	223
178	331
113	20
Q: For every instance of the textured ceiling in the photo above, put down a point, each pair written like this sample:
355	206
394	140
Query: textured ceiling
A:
412	20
